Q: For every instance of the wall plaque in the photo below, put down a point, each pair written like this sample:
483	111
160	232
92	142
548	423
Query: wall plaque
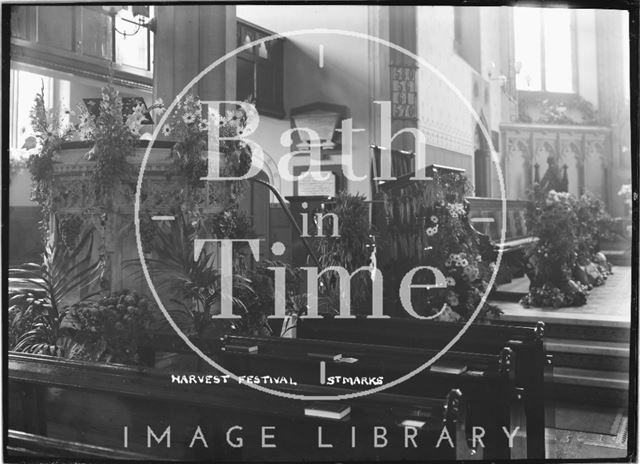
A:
308	186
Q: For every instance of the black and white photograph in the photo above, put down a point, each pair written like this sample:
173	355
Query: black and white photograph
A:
320	232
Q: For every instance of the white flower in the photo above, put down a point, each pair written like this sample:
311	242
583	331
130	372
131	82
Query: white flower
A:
432	231
448	314
203	126
434	219
166	130
471	272
452	299
451	281
456	209
189	118
625	189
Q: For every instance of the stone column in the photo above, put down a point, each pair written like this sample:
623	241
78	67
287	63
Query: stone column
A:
612	108
188	39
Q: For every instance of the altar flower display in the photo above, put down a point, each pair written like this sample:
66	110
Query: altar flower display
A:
562	261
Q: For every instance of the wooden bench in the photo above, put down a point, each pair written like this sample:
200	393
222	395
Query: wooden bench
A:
487	381
526	342
93	403
29	445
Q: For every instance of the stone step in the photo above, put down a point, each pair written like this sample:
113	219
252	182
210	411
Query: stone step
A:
618	257
574	326
590	386
591	378
588	347
605	317
587	354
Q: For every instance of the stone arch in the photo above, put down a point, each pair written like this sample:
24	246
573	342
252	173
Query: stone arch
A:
270	168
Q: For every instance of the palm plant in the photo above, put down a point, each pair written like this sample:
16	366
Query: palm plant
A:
351	249
38	293
197	282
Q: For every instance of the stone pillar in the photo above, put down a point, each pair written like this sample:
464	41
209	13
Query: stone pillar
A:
613	110
188	39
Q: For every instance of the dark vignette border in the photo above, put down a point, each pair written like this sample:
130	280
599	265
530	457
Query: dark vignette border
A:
633	8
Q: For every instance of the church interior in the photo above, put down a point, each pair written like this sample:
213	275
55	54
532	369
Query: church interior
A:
327	233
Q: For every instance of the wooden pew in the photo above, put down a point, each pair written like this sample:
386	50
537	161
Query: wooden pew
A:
29	445
92	404
526	343
486	380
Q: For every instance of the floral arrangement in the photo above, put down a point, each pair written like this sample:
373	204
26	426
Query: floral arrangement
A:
114	138
456	249
427	224
562	261
553	219
190	128
559	111
50	129
108	329
626	192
